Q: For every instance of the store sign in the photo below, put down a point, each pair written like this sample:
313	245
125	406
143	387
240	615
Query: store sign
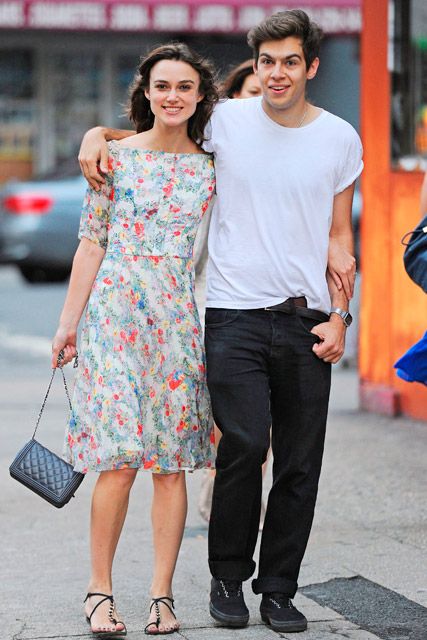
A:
66	15
191	16
171	17
12	14
129	17
213	18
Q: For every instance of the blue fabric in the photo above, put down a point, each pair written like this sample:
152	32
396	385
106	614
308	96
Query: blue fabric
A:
412	366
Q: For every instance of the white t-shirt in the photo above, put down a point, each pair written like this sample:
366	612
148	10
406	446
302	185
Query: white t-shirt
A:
269	232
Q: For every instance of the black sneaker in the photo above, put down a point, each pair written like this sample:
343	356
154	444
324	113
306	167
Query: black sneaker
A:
227	604
280	614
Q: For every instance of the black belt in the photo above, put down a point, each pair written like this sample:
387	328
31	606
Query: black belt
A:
297	306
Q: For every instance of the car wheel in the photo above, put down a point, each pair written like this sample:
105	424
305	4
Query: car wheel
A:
38	275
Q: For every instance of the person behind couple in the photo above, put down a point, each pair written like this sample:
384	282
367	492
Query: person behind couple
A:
285	173
241	82
140	399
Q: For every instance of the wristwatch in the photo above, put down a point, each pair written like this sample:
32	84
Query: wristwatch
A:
346	316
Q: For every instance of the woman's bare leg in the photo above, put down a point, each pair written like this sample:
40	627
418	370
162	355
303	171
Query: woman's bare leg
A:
109	507
168	514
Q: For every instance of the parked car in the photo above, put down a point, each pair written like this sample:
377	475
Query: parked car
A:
39	223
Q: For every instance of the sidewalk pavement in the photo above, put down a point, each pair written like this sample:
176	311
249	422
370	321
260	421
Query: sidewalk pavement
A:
370	521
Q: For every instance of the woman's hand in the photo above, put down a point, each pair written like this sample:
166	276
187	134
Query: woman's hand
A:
93	157
65	340
341	267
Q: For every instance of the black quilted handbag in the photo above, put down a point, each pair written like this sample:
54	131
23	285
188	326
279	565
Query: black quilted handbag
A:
415	256
41	470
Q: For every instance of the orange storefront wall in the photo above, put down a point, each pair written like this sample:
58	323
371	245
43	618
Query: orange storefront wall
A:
394	310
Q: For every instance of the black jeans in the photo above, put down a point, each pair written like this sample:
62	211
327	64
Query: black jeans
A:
263	373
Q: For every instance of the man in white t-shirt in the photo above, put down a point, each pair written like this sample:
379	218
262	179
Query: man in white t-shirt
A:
285	173
275	321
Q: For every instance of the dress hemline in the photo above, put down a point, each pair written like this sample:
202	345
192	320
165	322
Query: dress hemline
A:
85	469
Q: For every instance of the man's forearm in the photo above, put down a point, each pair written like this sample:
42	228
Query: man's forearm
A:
116	134
343	239
338	296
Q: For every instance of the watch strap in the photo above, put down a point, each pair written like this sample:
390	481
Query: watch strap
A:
344	315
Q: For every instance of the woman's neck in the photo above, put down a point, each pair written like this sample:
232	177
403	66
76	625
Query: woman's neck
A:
169	139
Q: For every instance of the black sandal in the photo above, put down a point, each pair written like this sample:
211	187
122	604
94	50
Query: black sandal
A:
155	604
106	634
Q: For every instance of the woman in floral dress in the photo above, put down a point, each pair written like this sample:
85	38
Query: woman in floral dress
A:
140	399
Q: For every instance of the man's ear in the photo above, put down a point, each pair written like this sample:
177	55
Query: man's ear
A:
255	66
312	70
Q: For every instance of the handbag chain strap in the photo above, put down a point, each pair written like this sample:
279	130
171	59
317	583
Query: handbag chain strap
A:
60	358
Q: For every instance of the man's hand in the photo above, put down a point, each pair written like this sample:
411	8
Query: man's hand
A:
93	154
332	335
341	267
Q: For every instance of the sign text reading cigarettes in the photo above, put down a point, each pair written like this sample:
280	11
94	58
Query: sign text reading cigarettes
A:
183	16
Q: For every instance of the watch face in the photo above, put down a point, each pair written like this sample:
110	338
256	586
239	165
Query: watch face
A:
348	319
345	316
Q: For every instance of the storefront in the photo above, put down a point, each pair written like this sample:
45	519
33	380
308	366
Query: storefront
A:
66	65
394	131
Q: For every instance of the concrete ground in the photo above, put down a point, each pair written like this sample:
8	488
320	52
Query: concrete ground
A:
370	521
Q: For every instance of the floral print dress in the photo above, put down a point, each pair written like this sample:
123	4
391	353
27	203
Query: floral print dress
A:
140	398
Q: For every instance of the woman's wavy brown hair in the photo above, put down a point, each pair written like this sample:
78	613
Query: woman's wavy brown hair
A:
139	110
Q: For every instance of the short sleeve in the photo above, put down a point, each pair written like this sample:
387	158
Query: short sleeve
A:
94	218
352	163
211	128
207	144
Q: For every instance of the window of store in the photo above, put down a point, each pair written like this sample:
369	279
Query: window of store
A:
408	67
75	81
17	112
127	65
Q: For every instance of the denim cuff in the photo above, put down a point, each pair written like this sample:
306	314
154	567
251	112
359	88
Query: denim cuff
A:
278	585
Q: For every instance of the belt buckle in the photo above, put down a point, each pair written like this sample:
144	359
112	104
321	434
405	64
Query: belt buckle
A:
274	308
283	307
